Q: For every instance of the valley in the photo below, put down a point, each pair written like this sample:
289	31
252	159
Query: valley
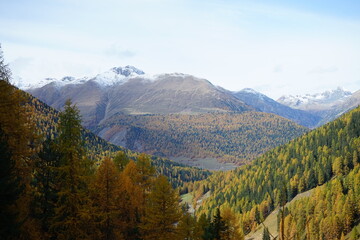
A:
239	165
179	120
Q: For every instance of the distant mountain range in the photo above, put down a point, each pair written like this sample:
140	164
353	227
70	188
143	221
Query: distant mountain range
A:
263	103
129	90
327	105
106	99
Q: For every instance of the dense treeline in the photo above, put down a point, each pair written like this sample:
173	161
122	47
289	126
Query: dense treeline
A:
279	175
229	137
330	212
69	197
46	119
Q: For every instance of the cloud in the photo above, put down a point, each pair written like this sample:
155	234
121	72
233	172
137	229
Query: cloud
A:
278	68
118	51
323	70
20	63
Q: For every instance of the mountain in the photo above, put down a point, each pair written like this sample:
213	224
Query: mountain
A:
47	117
127	90
228	137
263	103
341	107
328	105
175	115
327	159
316	102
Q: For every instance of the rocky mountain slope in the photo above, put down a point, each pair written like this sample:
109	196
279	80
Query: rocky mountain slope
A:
327	105
263	103
315	102
127	90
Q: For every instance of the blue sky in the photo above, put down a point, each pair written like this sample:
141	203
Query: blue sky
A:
276	47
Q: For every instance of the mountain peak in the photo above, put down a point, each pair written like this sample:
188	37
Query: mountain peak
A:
304	101
127	71
108	78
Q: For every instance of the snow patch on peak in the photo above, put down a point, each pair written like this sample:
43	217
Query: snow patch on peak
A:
118	75
175	74
113	76
127	71
254	92
250	90
326	97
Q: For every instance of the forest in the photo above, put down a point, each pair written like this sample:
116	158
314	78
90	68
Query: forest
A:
228	137
326	158
60	181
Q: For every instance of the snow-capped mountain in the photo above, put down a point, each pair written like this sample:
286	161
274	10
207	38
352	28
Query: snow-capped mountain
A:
116	75
129	91
315	102
263	103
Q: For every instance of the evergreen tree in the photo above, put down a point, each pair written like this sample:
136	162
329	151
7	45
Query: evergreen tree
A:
18	142
266	234
205	225
354	234
10	189
188	229
162	212
45	183
121	160
232	230
72	208
218	225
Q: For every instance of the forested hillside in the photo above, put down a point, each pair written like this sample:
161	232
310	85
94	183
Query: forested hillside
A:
330	153
51	189
229	137
46	119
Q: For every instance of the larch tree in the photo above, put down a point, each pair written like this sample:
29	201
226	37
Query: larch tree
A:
266	234
233	230
45	184
106	199
132	201
162	212
17	146
121	160
188	228
71	212
218	226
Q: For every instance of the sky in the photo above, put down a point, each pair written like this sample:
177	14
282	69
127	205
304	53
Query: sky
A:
275	47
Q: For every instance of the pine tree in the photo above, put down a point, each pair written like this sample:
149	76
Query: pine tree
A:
162	212
72	208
